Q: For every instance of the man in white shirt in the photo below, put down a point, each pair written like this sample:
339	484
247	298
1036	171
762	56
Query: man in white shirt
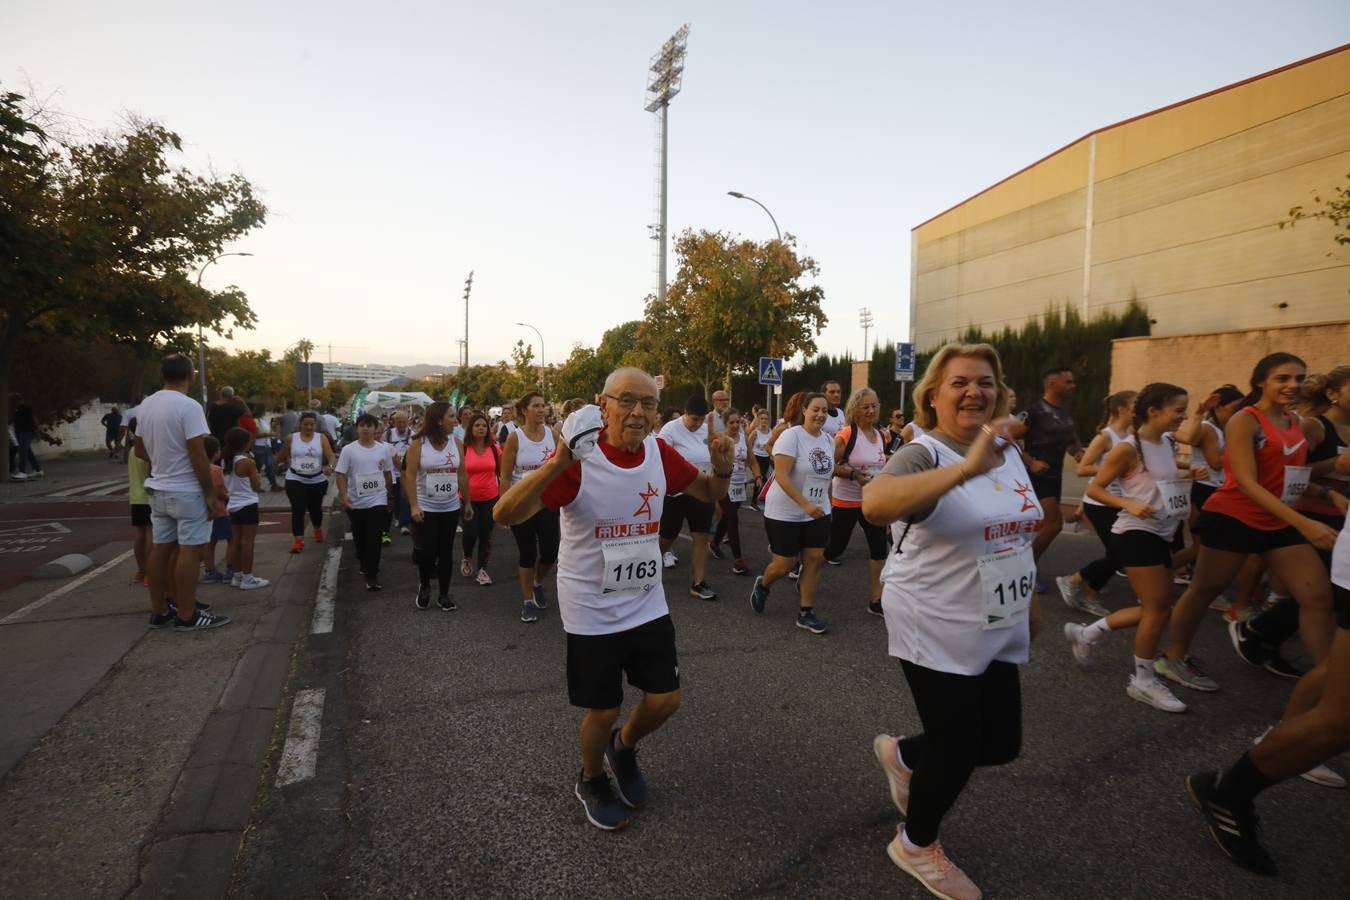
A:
721	401
398	436
834	416
170	436
329	422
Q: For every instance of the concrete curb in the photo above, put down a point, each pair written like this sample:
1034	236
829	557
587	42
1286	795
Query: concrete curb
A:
63	566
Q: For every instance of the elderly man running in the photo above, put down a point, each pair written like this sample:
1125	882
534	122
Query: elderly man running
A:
609	477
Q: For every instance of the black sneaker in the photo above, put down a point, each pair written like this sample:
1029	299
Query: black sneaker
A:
373	584
423	598
529	613
874	607
160	621
1278	665
1247	645
622	764
701	591
540	598
715	550
808	621
445	603
759	595
834	562
1235	831
200	622
603	808
796	572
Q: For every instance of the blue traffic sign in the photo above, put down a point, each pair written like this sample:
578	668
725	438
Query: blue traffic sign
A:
904	362
771	370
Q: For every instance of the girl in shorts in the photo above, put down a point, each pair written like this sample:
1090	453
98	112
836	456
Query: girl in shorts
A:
220	528
797	509
729	525
1154	499
242	483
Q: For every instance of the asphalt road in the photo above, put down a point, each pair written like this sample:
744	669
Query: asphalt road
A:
448	754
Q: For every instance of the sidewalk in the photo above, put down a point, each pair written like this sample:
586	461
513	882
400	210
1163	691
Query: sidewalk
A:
130	758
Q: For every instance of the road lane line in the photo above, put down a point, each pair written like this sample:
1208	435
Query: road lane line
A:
65	589
86	487
300	755
323	600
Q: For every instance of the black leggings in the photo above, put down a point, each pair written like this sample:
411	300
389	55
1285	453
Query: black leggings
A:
305	497
479	531
842	520
1098	572
537	539
367	529
729	526
968	721
434	547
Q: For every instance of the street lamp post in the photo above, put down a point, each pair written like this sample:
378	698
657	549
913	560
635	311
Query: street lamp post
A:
201	343
768	391
739	196
543	367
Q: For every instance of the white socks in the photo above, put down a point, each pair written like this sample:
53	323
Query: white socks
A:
1143	671
1096	631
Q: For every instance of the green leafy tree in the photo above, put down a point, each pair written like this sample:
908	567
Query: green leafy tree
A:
731	302
583	373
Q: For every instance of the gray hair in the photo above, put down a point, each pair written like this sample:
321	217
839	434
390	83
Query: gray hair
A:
624	372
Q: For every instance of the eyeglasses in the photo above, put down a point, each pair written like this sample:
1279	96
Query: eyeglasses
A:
628	401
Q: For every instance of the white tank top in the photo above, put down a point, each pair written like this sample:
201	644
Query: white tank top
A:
1154	481
933	592
740	458
867	457
438	477
1114	487
531	455
917	430
1215	478
240	488
306	462
757	441
609	564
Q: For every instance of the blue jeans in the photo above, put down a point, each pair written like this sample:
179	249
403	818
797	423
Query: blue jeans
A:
26	456
262	456
399	510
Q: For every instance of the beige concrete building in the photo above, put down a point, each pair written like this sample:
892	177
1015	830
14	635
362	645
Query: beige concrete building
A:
1179	208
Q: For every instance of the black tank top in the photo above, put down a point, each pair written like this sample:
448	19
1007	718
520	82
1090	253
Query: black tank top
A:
1327	447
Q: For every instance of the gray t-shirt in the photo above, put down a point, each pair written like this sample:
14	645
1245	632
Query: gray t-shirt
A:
290	420
914	457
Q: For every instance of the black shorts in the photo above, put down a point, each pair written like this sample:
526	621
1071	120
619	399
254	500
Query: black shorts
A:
1220	532
221	530
140	515
1048	484
1340	598
1199	494
681	508
596	664
1140	548
245	515
791	538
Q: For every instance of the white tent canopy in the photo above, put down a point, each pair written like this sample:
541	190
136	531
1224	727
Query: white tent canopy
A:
387	400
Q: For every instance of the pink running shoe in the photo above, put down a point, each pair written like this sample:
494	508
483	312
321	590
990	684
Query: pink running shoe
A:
931	867
884	746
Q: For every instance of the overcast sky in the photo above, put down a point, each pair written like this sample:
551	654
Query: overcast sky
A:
401	144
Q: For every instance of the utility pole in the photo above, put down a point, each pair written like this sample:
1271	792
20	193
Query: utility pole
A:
468	288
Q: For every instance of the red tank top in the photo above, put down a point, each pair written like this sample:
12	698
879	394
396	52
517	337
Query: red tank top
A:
1276	449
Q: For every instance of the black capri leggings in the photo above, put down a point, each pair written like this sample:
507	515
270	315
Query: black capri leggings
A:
968	721
842	520
537	539
434	547
479	532
729	526
1098	572
305	497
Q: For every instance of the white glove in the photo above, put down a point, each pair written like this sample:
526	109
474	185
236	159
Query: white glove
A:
582	430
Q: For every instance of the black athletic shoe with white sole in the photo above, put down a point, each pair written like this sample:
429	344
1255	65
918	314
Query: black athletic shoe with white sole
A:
628	778
423	598
603	808
200	622
1235	831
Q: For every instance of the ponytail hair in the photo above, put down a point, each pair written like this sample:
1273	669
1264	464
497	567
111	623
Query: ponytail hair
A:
1153	396
1262	371
1313	393
1114	403
1228	393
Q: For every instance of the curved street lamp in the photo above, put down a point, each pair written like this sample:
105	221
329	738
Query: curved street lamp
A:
201	346
543	367
739	196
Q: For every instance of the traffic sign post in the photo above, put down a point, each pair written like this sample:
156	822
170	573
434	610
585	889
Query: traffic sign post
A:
904	368
771	376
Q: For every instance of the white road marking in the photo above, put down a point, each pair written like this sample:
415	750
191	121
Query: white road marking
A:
64	589
323	600
87	487
300	755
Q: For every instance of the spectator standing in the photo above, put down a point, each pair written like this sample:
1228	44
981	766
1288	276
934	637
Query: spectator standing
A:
112	426
224	414
171	436
288	422
25	432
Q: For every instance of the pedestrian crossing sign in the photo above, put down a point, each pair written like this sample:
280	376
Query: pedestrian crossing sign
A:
770	370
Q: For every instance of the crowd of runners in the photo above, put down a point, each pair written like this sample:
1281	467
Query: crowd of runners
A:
1238	495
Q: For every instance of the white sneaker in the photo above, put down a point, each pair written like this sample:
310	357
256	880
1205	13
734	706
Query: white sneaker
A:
484	578
1323	775
1073	632
669	560
18	476
252	583
237	580
1155	694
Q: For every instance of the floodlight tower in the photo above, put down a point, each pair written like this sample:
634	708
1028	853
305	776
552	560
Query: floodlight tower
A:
865	320
468	289
667	74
